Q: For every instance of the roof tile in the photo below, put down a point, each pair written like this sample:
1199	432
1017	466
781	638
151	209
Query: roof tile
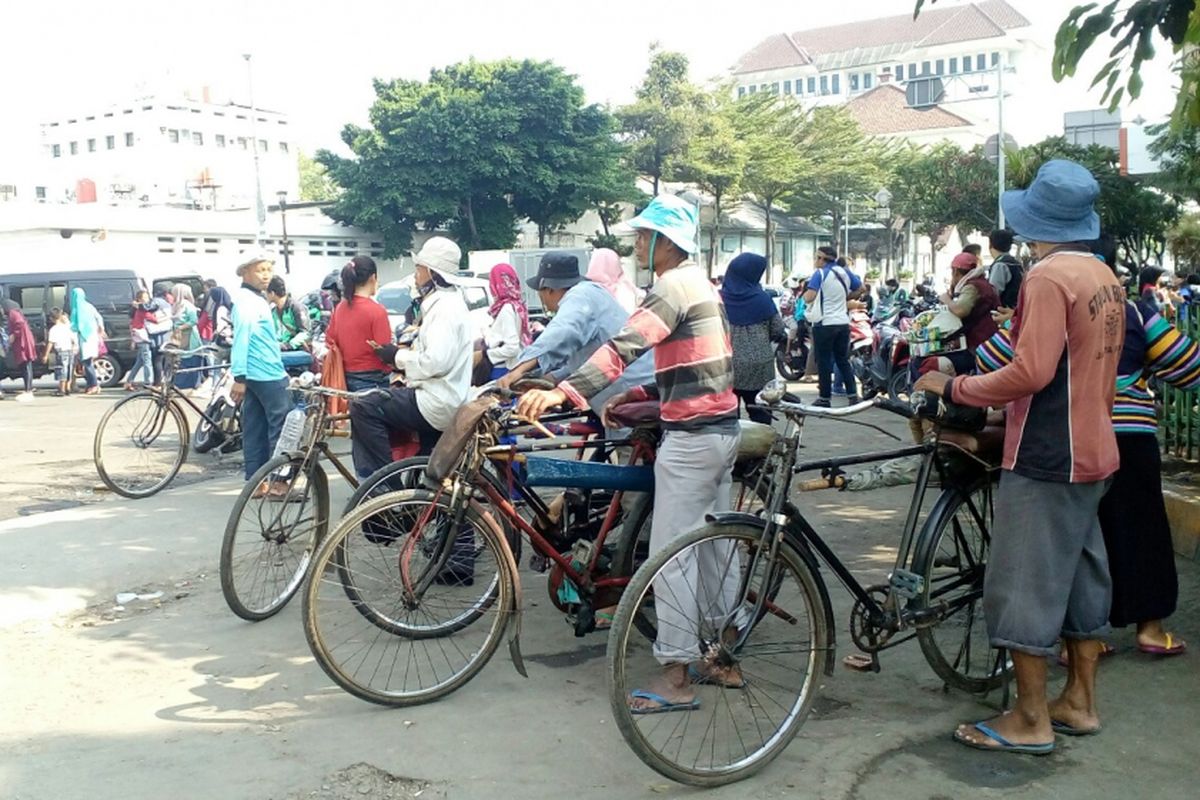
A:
884	110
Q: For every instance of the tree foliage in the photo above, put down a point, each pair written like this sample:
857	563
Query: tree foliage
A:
473	149
315	183
1131	211
1177	150
1184	241
658	125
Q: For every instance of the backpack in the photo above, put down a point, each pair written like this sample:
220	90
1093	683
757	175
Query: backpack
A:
1012	289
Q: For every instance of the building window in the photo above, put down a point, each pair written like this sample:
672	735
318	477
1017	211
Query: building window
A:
774	90
899	72
980	62
91	145
799	85
939	67
129	139
837	83
741	93
198	138
824	84
220	140
787	89
753	90
56	150
242	142
954	65
966	64
262	145
74	148
924	67
854	81
868	80
173	136
912	71
39	192
110	142
812	85
995	59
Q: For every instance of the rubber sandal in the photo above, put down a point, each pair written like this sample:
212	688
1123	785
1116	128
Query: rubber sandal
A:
1003	745
1071	730
1172	648
604	621
708	680
664	706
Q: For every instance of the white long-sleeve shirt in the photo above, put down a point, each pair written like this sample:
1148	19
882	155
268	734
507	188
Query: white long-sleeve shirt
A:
503	339
438	365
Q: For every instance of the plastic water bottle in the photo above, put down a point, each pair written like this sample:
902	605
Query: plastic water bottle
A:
293	430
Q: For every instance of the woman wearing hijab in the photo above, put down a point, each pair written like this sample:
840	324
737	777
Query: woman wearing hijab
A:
218	305
89	329
509	331
21	346
184	319
754	327
605	269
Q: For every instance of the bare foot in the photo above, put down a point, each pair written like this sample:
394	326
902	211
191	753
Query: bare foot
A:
1078	720
1010	726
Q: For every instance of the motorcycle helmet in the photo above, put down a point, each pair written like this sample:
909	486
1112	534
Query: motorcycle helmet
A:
333	285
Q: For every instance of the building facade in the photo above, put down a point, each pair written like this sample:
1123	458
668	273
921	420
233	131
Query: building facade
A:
180	151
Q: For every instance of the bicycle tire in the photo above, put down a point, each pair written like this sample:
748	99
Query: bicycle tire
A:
320	634
899	387
241	600
207	436
145	433
744	538
943	573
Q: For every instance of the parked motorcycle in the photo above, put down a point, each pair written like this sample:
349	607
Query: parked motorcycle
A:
226	434
791	355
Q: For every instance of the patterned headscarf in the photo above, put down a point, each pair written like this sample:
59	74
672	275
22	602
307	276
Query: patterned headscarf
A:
506	290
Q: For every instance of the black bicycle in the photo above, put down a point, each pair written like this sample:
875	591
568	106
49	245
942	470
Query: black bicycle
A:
142	441
743	600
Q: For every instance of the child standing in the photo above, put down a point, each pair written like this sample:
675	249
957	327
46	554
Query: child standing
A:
61	339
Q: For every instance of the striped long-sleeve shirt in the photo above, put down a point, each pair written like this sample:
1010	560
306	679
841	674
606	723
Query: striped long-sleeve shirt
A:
683	320
1152	346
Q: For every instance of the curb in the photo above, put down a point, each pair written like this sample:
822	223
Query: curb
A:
1183	512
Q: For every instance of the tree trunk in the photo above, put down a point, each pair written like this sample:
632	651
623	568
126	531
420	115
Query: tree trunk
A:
655	183
469	212
542	235
932	255
770	250
713	233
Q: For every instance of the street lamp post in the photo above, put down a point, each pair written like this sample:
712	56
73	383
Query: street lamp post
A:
287	263
260	208
883	198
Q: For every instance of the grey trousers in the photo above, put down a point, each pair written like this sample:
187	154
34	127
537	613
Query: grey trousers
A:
698	588
1047	573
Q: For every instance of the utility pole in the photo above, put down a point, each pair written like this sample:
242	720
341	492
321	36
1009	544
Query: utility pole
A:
1000	141
260	208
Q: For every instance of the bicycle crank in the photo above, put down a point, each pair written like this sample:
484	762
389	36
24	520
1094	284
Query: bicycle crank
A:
871	630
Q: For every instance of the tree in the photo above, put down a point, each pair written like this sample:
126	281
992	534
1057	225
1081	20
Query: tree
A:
315	183
716	158
772	131
658	125
1134	213
473	149
1184	239
943	187
1177	150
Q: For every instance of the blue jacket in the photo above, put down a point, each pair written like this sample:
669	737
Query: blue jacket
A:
255	354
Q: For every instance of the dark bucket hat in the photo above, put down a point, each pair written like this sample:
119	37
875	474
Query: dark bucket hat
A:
1059	206
556	271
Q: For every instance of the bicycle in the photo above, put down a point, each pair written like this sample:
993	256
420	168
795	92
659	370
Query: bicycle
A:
142	441
431	573
744	599
282	513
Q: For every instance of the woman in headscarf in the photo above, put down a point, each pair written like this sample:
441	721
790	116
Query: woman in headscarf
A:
21	346
218	305
509	332
605	269
89	329
754	326
184	335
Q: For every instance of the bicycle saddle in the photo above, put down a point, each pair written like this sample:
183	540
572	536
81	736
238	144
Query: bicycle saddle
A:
638	414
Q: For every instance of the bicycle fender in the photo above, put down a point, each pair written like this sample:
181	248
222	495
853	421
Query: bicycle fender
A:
514	627
801	547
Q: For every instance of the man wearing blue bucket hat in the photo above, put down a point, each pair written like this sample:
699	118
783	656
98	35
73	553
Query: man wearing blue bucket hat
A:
1047	575
683	320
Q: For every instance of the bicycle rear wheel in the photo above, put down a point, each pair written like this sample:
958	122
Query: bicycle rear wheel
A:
140	444
951	556
770	645
270	538
377	640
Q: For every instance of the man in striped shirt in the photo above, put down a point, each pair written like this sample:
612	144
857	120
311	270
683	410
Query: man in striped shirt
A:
683	320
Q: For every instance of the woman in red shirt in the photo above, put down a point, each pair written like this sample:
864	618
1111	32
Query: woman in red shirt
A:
357	320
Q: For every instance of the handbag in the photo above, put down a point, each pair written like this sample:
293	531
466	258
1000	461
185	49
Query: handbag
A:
181	337
815	311
333	376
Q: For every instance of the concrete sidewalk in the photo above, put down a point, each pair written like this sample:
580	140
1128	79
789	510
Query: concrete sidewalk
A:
177	698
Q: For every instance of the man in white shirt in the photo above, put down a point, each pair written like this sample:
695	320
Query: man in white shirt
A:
437	367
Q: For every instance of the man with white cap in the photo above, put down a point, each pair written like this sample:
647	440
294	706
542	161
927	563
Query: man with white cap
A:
1047	574
437	367
683	320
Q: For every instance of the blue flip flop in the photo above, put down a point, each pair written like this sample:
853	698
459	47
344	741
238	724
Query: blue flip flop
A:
697	676
664	705
1003	745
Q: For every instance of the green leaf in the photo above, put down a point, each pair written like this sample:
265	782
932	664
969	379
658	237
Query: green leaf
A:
1135	85
1104	72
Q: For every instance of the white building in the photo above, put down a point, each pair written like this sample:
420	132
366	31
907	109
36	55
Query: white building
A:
162	150
961	45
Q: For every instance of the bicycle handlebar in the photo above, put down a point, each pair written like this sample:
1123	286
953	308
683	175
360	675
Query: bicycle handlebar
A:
171	349
330	392
884	403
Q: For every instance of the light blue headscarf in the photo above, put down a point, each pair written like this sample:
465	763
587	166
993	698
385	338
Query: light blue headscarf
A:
83	316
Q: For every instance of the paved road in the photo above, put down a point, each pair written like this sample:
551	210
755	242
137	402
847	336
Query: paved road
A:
177	698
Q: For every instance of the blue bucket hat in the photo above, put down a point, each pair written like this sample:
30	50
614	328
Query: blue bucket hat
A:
1059	206
671	216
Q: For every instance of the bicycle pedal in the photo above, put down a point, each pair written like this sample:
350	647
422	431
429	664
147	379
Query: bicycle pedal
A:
907	584
539	563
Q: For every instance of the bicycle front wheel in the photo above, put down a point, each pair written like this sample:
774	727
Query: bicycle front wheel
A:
751	633
277	522
405	605
951	556
141	442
